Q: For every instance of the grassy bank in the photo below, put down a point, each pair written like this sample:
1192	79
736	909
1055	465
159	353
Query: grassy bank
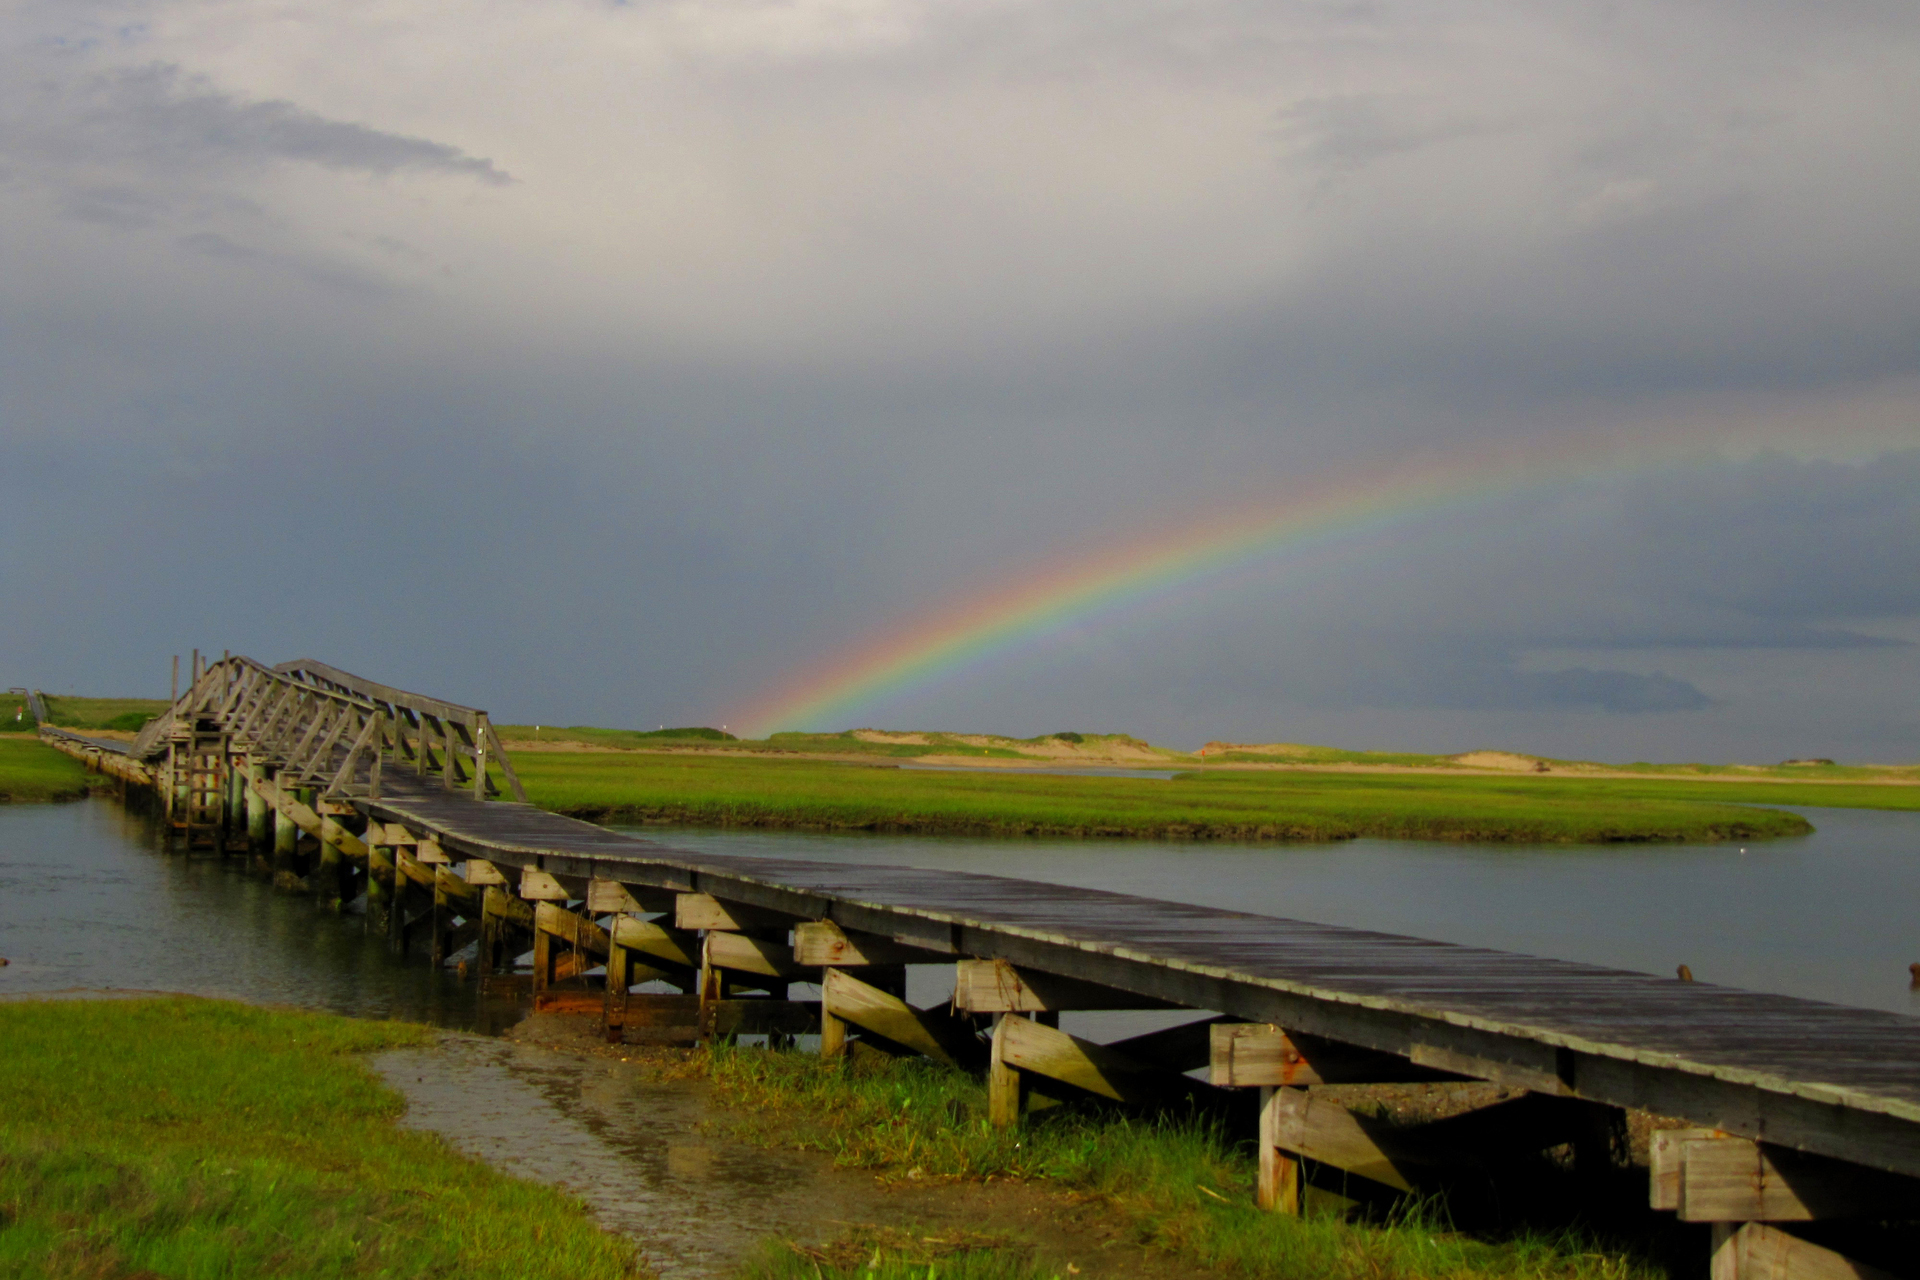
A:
732	791
31	771
189	1138
67	712
1174	1185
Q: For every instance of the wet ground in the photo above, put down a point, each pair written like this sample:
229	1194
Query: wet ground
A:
550	1102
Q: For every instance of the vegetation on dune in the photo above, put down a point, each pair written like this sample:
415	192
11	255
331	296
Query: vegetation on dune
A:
736	791
1174	1184
588	736
185	1137
1730	795
127	714
32	771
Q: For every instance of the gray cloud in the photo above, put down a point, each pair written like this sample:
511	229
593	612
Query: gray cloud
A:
804	326
160	118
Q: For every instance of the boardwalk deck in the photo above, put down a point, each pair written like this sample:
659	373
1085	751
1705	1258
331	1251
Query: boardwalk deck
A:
1793	1072
1786	1074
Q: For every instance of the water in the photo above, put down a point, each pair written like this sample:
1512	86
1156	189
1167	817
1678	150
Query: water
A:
87	901
1831	916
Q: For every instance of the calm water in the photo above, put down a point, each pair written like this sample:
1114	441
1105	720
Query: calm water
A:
87	901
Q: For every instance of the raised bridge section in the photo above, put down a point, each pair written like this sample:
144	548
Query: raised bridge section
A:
1799	1110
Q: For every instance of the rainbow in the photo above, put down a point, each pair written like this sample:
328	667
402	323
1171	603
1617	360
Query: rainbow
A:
952	641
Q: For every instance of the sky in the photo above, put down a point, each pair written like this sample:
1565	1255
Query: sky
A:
634	364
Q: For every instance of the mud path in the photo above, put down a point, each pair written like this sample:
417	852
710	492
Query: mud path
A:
550	1105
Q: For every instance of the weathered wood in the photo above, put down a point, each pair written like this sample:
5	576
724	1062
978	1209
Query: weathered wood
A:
1329	1133
1726	1179
1096	1068
500	905
822	942
833	1028
538	886
379	888
575	930
608	897
1257	1053
1757	1251
1278	1189
704	911
764	957
428	850
931	1032
657	942
1178	1049
480	871
459	892
1003	1080
994	986
1664	1149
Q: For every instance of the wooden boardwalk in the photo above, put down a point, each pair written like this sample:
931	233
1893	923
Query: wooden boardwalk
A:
1800	1110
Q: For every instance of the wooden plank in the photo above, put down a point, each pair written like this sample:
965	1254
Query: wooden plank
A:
704	911
430	852
994	986
481	872
411	868
1663	1163
1096	1068
537	886
1178	1049
1736	1180
929	1032
676	946
1329	1133
1254	1053
1757	1251
763	956
550	918
1278	1188
608	897
500	905
463	892
822	942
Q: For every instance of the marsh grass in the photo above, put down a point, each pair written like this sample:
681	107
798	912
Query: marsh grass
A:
719	790
1174	1183
32	771
69	712
197	1138
882	1253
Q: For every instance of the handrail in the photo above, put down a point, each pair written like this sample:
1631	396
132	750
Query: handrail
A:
301	715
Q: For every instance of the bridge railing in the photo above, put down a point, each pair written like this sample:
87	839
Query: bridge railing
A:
329	728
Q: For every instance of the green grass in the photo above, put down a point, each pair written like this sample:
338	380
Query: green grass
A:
1172	1184
1238	805
196	1138
102	713
1652	790
31	771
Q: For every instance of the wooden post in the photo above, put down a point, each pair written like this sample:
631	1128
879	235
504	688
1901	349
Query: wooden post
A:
259	820
380	888
441	922
286	843
1003	1081
1279	1172
327	876
833	1031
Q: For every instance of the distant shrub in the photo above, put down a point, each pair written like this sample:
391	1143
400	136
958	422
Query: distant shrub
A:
1070	737
695	731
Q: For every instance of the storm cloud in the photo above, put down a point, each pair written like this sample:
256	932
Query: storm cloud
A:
625	362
